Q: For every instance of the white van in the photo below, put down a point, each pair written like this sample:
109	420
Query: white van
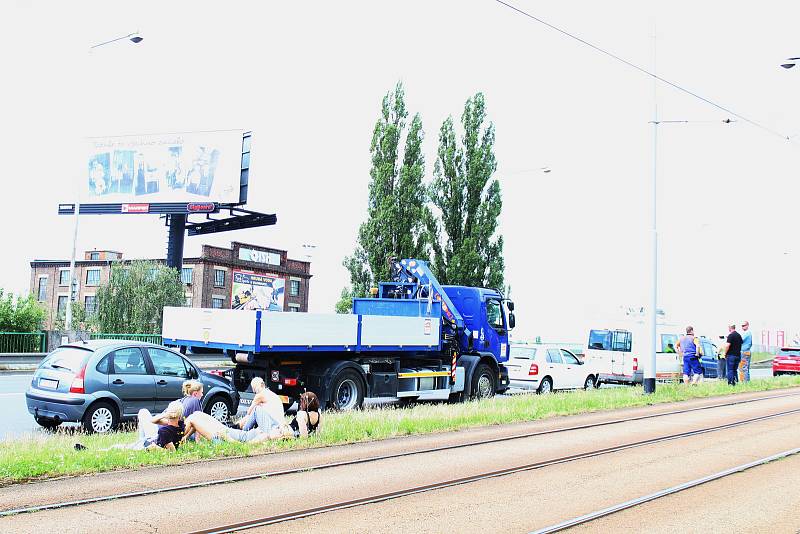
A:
619	355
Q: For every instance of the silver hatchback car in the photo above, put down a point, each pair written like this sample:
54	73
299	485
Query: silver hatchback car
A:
103	382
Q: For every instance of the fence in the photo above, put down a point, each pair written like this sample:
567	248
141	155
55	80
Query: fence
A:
147	338
18	342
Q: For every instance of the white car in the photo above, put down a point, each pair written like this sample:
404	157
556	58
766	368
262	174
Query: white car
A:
545	368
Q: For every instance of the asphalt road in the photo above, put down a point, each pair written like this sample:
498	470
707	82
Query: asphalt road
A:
17	421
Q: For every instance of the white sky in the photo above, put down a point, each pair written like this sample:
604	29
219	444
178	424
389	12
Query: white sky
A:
307	79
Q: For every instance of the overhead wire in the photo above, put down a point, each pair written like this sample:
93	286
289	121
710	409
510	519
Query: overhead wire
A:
646	72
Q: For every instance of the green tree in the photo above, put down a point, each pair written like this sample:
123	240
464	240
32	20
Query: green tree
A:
399	223
133	300
20	314
469	253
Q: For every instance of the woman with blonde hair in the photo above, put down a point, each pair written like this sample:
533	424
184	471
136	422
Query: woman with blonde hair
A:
192	393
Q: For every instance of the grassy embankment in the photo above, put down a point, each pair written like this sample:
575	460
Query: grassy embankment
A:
47	456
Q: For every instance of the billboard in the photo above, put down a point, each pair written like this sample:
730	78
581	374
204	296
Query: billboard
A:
196	167
257	291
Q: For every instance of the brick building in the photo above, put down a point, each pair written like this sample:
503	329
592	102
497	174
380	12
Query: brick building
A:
242	276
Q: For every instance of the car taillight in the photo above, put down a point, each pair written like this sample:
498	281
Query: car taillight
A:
534	370
636	364
77	382
289	381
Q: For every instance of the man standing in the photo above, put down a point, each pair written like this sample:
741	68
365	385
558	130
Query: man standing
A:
747	345
689	348
732	350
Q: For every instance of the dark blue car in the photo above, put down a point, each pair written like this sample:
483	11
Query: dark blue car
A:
100	383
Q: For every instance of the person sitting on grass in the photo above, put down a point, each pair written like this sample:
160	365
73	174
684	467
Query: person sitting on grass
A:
306	420
192	393
269	402
216	432
163	431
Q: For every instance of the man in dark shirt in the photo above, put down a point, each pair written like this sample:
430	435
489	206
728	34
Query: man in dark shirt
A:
732	350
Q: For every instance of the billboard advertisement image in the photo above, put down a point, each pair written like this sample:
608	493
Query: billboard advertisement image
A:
156	168
257	292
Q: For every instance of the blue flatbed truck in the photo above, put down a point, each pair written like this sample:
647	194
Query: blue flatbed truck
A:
414	340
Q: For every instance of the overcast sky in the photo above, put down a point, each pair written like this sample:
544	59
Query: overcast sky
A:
307	79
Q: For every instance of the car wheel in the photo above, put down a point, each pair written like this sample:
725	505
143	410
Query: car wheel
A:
546	386
589	383
347	392
47	424
100	418
483	386
219	408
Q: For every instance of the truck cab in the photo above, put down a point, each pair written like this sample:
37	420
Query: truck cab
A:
487	318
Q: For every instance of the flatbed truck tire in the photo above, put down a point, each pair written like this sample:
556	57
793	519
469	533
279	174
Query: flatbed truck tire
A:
347	391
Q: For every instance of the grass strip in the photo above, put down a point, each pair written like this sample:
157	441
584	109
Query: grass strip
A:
42	455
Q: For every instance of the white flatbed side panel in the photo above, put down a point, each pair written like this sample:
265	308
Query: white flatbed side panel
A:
233	327
380	330
304	329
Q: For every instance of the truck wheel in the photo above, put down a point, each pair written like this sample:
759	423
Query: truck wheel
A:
101	417
219	408
347	392
483	382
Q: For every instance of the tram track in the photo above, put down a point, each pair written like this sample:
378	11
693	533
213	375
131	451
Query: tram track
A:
376	458
341	505
625	505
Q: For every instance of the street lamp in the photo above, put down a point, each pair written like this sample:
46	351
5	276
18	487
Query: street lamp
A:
135	38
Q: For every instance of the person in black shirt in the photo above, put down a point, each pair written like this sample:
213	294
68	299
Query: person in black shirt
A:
732	351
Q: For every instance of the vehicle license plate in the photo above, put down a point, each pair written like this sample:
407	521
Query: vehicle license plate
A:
47	383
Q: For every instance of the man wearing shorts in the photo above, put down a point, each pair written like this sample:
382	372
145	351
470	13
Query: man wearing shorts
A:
689	348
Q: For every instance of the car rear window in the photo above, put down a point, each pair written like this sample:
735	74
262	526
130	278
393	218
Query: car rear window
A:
789	352
66	359
525	353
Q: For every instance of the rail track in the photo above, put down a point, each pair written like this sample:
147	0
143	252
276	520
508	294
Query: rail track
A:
299	514
464	480
581	520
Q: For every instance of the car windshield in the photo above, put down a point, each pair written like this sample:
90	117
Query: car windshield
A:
66	358
789	352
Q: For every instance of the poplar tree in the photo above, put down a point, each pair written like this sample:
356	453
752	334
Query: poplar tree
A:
399	222
469	251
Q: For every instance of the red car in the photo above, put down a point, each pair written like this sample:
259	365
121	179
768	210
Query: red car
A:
787	361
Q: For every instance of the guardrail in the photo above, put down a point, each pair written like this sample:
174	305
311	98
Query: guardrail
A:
13	359
20	342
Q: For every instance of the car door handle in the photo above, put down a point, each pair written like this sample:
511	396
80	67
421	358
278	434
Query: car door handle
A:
118	381
162	382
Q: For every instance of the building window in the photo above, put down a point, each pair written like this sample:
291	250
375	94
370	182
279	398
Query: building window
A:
294	307
42	289
186	275
90	304
294	287
62	305
63	277
188	302
93	277
219	278
216	302
94	256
